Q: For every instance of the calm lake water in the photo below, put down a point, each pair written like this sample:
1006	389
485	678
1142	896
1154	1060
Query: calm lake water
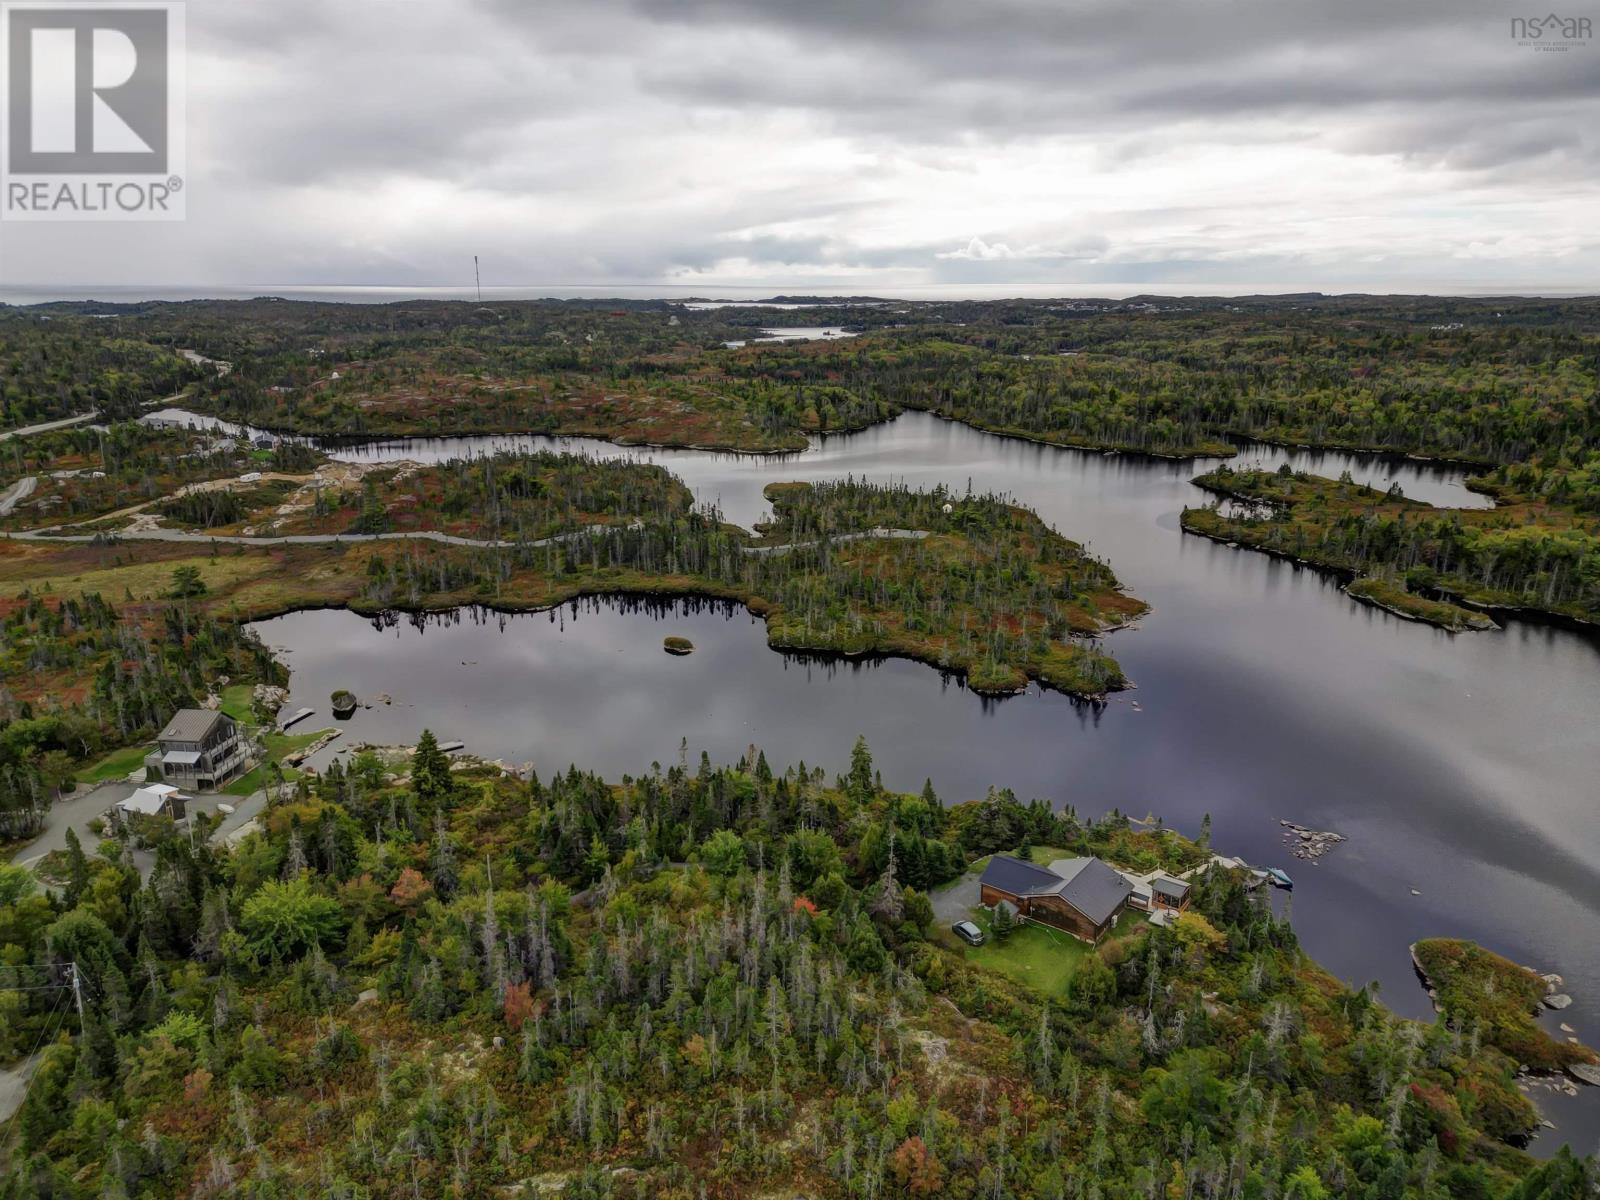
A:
1464	766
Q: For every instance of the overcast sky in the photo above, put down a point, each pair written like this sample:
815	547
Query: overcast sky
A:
867	144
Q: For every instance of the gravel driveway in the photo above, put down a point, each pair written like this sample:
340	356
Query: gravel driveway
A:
955	901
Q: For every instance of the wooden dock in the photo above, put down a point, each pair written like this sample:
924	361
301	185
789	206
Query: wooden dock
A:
299	716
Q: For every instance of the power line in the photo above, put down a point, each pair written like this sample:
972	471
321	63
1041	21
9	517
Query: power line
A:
59	1012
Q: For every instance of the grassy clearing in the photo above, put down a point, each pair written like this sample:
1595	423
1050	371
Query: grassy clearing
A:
1043	958
1045	855
1131	921
119	764
277	745
255	779
237	702
143	572
1135	850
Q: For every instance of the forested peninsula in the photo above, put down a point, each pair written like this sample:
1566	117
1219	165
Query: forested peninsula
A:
420	979
1536	551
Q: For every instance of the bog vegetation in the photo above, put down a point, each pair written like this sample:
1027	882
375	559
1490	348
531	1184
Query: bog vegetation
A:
1495	381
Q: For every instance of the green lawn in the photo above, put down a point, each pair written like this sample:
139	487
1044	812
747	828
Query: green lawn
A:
1131	920
1041	957
1045	855
277	745
119	764
1042	855
254	780
236	702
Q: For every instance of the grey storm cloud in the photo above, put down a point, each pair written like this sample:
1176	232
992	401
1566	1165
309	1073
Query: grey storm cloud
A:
898	142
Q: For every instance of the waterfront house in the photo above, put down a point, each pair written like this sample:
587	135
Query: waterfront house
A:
199	748
1081	896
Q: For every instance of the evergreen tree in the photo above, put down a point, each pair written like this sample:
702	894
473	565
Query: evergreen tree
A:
77	871
430	769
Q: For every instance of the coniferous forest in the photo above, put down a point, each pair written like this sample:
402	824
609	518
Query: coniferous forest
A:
422	980
418	974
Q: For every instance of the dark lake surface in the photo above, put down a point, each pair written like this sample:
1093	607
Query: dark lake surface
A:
1466	767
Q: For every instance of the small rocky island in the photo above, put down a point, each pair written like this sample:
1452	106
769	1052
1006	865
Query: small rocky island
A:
677	645
1309	843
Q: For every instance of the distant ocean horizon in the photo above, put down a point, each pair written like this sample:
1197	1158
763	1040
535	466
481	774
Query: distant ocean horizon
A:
749	293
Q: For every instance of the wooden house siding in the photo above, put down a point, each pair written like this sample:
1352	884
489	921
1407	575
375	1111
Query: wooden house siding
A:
1052	910
1047	910
989	896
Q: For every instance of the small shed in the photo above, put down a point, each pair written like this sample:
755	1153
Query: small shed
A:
152	800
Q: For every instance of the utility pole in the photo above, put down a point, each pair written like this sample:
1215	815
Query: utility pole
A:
77	996
477	278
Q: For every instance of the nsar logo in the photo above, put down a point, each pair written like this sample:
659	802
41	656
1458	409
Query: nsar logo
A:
1552	32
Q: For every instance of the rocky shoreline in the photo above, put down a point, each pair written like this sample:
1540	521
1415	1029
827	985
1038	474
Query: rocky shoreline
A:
1586	1073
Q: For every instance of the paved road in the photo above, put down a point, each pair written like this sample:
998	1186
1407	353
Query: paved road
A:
83	418
73	812
47	426
14	1085
19	491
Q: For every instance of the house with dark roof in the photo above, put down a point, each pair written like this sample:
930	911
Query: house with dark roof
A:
1081	896
1169	893
198	748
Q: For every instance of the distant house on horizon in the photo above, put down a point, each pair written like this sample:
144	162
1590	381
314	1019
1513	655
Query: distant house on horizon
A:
198	748
1080	896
